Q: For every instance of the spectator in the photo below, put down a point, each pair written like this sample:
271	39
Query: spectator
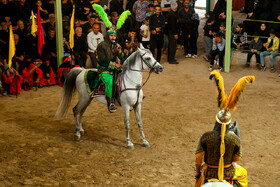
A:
185	16
50	48
194	35
240	40
255	48
21	31
51	22
218	49
157	25
208	30
82	9
131	42
67	8
254	11
49	4
6	10
114	18
116	6
77	23
66	47
43	12
87	27
140	8
12	81
23	11
264	34
129	5
93	39
276	26
222	28
156	3
80	47
172	30
220	12
145	33
48	78
272	48
32	75
151	10
166	6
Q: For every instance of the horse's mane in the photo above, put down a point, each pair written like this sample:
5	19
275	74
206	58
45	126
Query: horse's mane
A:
131	60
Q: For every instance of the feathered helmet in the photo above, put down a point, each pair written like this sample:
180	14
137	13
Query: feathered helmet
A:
102	14
225	104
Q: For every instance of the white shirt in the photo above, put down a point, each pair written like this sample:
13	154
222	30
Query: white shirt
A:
146	31
93	40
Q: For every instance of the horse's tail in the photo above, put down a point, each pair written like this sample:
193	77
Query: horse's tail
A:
68	90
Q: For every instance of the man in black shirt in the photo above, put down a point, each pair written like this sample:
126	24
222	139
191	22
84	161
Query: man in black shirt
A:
185	17
172	30
80	47
157	27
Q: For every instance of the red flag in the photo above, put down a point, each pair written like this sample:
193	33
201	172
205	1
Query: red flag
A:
41	39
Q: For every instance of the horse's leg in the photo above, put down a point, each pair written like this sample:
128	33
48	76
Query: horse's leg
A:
78	111
127	125
137	110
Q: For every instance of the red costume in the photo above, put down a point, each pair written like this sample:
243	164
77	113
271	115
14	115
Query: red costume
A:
29	78
65	66
48	75
15	83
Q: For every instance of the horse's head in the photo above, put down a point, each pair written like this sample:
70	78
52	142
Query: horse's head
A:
149	61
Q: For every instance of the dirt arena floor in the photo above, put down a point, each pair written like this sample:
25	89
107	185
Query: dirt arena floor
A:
180	106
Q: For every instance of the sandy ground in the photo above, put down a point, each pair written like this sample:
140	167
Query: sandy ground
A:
180	106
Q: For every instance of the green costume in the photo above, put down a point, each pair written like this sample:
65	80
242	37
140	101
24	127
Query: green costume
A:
107	57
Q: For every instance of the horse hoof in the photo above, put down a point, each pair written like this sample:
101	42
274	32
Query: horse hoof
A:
77	137
130	146
82	133
146	144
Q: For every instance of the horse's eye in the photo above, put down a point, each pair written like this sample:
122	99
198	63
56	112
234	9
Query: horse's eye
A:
148	58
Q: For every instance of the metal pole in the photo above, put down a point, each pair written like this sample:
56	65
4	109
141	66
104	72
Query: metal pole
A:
228	35
208	5
59	32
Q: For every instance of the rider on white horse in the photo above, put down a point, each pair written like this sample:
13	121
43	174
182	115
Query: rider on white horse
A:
221	149
108	51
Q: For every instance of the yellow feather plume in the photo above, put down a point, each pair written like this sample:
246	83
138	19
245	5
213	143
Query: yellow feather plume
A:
236	91
222	97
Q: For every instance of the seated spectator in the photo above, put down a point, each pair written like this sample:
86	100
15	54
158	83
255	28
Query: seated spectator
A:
12	81
80	47
51	22
66	47
4	33
145	33
240	40
222	28
21	31
218	49
272	48
255	48
131	42
32	75
23	11
264	34
48	78
93	39
208	30
151	10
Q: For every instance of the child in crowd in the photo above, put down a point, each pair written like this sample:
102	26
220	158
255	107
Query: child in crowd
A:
255	48
218	48
208	30
151	10
145	33
240	40
131	42
272	48
222	28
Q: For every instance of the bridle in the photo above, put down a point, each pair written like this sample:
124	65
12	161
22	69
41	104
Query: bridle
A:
139	87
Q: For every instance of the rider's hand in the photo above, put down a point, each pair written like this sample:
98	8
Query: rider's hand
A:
119	66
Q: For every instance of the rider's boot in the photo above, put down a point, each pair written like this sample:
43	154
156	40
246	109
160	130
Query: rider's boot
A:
111	104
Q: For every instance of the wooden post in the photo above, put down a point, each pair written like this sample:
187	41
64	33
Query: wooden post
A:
228	35
59	32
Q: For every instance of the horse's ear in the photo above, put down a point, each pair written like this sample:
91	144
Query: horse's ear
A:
141	46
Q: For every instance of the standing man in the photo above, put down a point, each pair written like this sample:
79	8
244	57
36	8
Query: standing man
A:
185	17
157	24
93	39
140	8
80	47
172	30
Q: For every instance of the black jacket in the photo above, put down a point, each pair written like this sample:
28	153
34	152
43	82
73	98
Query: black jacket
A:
172	24
157	21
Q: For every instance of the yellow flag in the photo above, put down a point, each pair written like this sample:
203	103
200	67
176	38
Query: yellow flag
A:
71	35
12	47
33	26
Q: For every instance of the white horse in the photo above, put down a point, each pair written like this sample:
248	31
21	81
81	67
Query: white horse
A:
130	96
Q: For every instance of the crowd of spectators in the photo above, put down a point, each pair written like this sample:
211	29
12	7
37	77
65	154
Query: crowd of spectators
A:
160	25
